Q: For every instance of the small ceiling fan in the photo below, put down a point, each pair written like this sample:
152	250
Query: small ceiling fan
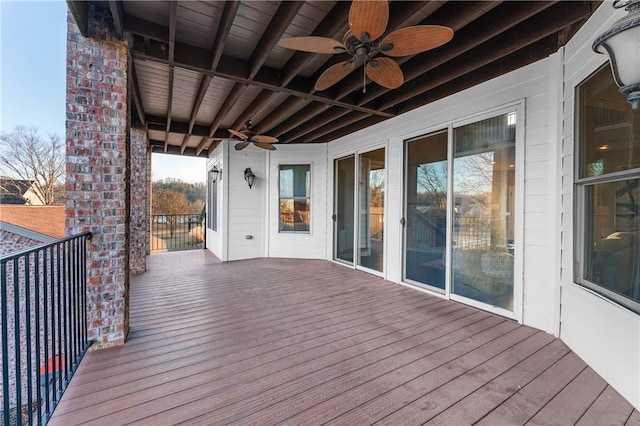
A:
367	23
247	137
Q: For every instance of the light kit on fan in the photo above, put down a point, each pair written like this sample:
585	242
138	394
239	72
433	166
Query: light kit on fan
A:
367	23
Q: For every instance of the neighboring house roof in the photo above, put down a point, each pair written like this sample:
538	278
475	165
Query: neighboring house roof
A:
14	191
47	222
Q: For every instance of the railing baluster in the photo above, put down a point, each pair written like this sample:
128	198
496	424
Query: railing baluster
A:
5	344
16	336
28	335
47	313
36	296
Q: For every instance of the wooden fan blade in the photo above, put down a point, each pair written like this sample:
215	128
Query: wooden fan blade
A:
242	145
386	72
411	40
333	74
265	146
368	19
238	134
264	139
313	44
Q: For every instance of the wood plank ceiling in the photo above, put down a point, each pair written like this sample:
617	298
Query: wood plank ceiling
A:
200	68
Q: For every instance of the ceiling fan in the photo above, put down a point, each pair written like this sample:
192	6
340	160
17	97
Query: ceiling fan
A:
247	137
367	23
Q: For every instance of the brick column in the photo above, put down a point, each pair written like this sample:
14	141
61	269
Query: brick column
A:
96	154
139	216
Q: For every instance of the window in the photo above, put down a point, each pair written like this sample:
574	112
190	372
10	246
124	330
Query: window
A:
212	208
295	202
608	191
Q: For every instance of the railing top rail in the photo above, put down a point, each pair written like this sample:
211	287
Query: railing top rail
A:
15	255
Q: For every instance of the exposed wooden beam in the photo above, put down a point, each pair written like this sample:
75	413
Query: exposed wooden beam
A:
173	6
346	120
517	38
280	113
321	121
173	149
230	100
202	144
279	23
300	117
135	89
257	103
117	14
158	123
80	12
195	59
230	68
226	20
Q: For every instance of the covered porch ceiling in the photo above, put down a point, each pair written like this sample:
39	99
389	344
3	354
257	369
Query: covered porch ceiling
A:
200	68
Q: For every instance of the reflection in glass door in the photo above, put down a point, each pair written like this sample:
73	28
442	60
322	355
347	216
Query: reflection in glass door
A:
425	239
371	184
483	227
344	204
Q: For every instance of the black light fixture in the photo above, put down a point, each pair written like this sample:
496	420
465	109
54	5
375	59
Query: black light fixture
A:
622	43
249	176
213	174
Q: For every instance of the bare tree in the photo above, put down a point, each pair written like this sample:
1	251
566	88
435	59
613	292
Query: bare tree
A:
25	155
171	203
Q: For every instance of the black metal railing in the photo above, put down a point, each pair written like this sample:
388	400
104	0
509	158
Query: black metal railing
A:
177	232
44	326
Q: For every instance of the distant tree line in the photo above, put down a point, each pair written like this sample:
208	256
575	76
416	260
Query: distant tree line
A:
174	196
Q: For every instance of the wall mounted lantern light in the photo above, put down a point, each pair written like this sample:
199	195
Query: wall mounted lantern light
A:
622	43
249	176
214	173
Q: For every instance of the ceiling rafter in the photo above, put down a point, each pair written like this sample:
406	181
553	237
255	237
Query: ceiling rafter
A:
191	58
173	6
135	90
226	20
278	25
490	39
331	25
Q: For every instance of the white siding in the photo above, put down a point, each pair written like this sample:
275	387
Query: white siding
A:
246	213
605	335
304	245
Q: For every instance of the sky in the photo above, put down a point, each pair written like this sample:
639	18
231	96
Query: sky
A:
33	78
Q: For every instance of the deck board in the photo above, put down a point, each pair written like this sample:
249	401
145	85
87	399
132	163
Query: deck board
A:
271	341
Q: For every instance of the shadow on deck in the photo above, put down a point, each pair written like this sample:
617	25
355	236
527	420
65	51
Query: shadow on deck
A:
267	341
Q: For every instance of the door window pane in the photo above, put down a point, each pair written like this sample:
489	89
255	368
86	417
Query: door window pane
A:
426	210
484	197
344	205
371	210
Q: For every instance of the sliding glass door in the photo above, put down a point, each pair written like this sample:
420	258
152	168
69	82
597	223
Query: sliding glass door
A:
425	251
459	230
371	183
344	204
484	192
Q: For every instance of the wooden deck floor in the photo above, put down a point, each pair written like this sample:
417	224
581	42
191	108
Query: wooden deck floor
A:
311	342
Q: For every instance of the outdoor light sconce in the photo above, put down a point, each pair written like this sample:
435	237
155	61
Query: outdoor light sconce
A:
249	176
214	173
622	43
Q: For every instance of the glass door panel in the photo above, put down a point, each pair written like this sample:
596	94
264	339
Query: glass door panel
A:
483	227
371	210
425	240
344	205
